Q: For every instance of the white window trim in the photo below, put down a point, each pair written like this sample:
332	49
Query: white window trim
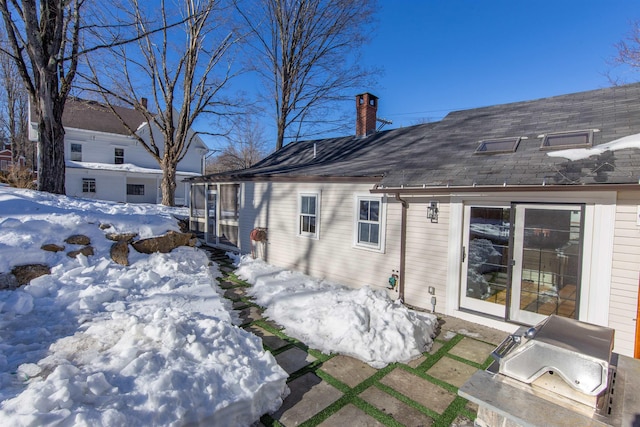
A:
300	233
382	220
89	181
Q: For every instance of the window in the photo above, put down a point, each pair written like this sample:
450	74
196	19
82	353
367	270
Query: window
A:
575	139
76	152
502	145
230	201
308	219
368	232
118	156
135	189
88	185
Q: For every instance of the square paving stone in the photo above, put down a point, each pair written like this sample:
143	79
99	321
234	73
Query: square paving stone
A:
309	395
451	371
273	342
250	314
294	359
437	345
225	284
234	294
350	416
415	362
419	390
348	370
473	350
400	411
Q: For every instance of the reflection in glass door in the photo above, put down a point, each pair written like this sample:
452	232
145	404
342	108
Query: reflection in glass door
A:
546	262
212	198
485	268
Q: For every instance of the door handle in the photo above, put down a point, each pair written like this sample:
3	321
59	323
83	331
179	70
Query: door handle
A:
464	253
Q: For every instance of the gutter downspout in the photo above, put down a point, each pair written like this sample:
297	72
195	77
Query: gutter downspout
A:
403	245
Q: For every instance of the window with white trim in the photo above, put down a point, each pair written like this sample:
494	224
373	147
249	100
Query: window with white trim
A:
88	185
308	207
135	189
118	156
76	152
368	224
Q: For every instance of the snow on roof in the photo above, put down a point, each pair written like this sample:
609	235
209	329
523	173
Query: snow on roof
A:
124	167
573	154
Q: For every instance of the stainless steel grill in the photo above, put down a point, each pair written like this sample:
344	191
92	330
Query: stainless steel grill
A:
560	372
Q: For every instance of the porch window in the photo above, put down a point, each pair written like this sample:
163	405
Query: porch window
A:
88	185
76	152
308	214
369	222
230	201
135	189
118	158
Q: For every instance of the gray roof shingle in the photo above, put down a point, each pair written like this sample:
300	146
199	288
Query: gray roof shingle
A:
442	153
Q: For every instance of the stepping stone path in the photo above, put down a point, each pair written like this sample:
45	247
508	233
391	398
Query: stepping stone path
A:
337	390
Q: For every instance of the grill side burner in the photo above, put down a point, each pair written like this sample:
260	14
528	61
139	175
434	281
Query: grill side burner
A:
578	352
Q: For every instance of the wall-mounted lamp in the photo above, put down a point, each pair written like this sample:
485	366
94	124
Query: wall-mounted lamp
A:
432	211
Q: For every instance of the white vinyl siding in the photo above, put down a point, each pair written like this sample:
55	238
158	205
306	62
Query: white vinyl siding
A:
625	272
427	250
333	256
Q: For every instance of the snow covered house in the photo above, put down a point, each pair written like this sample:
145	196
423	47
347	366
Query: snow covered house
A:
6	160
500	215
103	161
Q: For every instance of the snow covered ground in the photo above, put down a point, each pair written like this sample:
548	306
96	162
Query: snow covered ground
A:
361	323
96	343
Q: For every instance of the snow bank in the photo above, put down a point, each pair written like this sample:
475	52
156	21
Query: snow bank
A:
362	323
96	343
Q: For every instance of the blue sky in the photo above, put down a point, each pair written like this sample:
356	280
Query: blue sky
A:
445	55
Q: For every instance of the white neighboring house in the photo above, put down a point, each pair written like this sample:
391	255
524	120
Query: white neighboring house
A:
103	161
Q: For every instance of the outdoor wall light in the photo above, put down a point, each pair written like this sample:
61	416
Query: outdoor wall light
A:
432	211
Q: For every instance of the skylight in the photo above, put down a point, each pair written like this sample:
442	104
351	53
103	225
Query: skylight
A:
575	139
501	145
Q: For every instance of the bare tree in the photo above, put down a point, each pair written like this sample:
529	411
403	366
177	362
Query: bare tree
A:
307	55
246	147
627	59
183	75
13	108
43	40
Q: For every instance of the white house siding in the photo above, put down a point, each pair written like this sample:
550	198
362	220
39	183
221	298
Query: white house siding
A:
625	272
332	256
108	185
427	250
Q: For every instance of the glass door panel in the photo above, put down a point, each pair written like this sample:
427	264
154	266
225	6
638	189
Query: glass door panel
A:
485	269
547	262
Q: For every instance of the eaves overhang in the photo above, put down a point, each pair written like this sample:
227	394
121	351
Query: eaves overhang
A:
446	190
287	178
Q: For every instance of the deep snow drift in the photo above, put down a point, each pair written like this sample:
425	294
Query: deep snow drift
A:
362	323
96	343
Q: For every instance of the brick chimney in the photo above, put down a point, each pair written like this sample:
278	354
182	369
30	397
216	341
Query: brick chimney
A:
366	108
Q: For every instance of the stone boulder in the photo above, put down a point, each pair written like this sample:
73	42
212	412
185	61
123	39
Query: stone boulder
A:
117	237
52	247
78	239
120	252
164	244
26	273
86	251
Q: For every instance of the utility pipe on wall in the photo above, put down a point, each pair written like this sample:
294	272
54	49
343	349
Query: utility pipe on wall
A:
403	245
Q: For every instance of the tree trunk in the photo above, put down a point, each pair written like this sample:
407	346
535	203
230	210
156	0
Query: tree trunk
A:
168	184
51	165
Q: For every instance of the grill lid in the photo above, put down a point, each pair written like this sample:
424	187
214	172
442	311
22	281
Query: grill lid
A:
579	352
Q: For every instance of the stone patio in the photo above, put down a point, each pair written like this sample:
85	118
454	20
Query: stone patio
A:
337	390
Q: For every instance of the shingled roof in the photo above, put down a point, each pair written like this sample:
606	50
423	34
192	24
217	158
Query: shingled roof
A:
442	154
92	115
